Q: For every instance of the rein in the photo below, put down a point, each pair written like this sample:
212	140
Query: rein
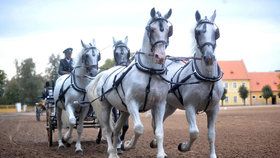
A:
196	73
140	66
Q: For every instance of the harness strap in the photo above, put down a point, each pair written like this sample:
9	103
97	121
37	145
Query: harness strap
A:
62	92
116	83
147	93
209	97
74	83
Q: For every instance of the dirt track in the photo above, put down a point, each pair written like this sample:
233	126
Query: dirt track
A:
241	132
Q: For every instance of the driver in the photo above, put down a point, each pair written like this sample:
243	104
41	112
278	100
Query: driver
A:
66	64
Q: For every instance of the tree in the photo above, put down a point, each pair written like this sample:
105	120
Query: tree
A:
2	82
13	92
107	65
52	69
29	83
266	92
243	93
224	96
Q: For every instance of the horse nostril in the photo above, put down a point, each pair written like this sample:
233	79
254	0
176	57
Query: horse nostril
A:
156	56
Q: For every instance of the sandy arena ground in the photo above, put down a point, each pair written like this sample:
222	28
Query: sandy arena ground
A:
251	132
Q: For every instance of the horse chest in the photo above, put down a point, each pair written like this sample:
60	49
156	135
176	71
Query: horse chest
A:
155	93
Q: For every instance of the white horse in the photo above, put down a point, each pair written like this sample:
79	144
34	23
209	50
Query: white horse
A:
198	86
135	88
121	52
70	90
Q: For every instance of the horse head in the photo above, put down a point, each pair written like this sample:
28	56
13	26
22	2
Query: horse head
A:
158	30
90	58
206	34
121	52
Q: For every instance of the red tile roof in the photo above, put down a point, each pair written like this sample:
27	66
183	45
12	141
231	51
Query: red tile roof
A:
234	70
260	79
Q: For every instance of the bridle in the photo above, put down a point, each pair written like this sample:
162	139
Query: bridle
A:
85	56
120	44
149	32
197	33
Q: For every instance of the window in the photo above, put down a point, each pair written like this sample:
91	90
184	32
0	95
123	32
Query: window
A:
235	99
244	84
234	85
226	85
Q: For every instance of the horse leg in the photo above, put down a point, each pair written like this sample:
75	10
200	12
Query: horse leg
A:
99	136
118	126
211	120
138	126
59	127
103	112
124	130
158	115
80	128
70	113
168	111
68	135
194	132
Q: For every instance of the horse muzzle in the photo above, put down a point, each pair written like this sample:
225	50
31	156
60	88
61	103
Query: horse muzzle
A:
159	58
209	59
92	70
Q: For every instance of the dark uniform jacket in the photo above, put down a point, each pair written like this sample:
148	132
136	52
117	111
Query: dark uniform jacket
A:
65	66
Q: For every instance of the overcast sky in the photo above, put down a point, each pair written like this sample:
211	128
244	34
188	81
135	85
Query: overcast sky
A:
250	29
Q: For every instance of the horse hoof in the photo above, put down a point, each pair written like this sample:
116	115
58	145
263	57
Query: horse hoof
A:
182	147
162	156
68	144
61	147
79	152
119	151
153	144
98	141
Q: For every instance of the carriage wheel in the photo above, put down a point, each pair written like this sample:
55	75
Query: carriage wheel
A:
50	132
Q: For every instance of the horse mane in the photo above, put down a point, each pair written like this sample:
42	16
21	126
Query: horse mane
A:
119	42
194	48
78	59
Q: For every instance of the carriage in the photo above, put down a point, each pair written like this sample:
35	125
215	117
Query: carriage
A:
51	118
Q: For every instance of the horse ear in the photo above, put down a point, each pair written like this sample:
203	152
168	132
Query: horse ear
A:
83	44
126	40
167	15
114	41
153	13
197	16
212	18
93	42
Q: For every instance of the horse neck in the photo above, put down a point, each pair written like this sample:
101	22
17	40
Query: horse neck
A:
80	72
147	60
206	70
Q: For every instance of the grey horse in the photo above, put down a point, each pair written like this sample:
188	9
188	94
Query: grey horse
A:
135	88
70	89
196	84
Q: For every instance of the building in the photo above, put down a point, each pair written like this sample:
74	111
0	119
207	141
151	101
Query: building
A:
257	81
236	75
